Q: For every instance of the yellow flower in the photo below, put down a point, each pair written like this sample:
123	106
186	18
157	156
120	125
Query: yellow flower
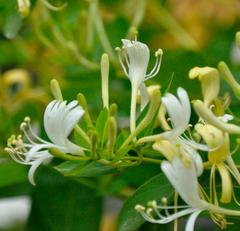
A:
210	82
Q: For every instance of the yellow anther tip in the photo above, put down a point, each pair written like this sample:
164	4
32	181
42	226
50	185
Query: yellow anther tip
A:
159	52
27	119
152	204
164	200
139	208
23	125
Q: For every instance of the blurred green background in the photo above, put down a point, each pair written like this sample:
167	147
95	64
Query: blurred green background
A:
67	44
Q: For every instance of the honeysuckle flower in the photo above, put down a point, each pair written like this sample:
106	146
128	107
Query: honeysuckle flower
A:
136	55
181	173
59	120
210	82
179	110
208	116
220	158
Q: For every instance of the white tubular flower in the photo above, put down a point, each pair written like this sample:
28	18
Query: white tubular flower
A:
179	110
59	120
182	174
136	55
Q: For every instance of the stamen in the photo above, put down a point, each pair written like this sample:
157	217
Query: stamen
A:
139	208
32	133
23	125
157	65
119	50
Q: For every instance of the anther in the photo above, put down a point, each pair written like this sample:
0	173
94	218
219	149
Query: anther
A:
164	200
19	137
9	150
27	119
139	208
159	52
152	204
149	212
23	126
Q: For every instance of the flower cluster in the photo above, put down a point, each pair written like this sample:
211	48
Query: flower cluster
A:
183	145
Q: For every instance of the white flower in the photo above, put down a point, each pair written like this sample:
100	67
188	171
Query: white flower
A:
182	174
179	110
59	120
183	177
137	58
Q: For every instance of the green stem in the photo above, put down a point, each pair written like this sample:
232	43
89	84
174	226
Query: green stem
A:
133	109
101	30
82	134
57	153
144	159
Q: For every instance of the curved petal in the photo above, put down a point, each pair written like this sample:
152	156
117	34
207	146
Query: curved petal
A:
183	178
32	153
32	170
138	54
191	220
184	99
179	111
60	119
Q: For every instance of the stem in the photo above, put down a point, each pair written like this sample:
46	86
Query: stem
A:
224	211
154	106
138	17
81	59
82	134
64	156
101	30
144	159
133	109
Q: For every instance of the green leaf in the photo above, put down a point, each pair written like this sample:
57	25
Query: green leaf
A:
78	169
154	189
12	173
130	177
68	166
78	139
101	123
121	138
62	204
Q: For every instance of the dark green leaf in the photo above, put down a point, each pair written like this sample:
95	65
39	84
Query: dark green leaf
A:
93	169
101	123
63	204
154	189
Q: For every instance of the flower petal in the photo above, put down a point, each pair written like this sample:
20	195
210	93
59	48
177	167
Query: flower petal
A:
60	119
191	220
138	54
144	96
